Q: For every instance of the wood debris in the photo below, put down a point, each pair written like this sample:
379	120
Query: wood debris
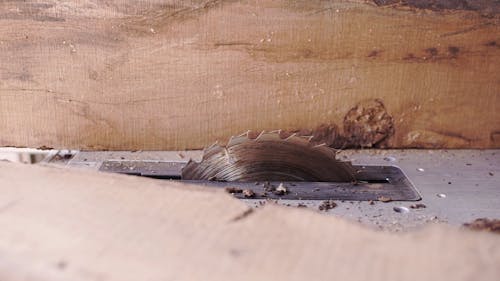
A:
418	206
248	193
384	199
281	190
327	205
232	189
484	224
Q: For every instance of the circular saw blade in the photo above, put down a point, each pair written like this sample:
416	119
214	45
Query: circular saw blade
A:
269	157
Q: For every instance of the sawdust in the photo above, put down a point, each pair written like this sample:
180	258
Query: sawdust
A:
418	206
484	224
281	190
233	190
268	187
248	193
59	157
384	199
327	205
44	147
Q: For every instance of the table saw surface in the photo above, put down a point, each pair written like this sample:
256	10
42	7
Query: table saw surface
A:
456	186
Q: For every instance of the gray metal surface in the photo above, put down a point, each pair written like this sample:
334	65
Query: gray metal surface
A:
456	186
144	168
373	183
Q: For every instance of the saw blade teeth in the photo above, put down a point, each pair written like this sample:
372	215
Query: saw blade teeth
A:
191	162
277	132
327	150
307	138
236	140
297	140
229	158
190	166
276	155
216	143
320	145
262	133
252	135
269	136
211	149
245	134
292	136
232	141
336	151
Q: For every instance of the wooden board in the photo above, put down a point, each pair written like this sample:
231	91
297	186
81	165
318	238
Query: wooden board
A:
125	74
59	224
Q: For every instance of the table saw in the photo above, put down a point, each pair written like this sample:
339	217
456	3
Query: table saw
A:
249	140
420	186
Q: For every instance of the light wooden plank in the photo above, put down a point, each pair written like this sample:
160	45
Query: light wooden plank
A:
131	75
59	224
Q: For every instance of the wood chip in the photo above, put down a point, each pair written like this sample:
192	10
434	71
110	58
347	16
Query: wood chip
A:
232	189
248	193
418	206
327	205
491	225
269	187
281	190
44	147
384	199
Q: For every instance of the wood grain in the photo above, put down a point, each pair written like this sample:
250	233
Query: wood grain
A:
60	224
182	74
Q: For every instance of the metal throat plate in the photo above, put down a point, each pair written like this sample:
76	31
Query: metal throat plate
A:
374	183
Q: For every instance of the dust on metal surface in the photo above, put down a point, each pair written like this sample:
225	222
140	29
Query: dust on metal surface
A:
278	165
372	183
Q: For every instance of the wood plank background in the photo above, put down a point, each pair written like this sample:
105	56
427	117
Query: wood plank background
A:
125	74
